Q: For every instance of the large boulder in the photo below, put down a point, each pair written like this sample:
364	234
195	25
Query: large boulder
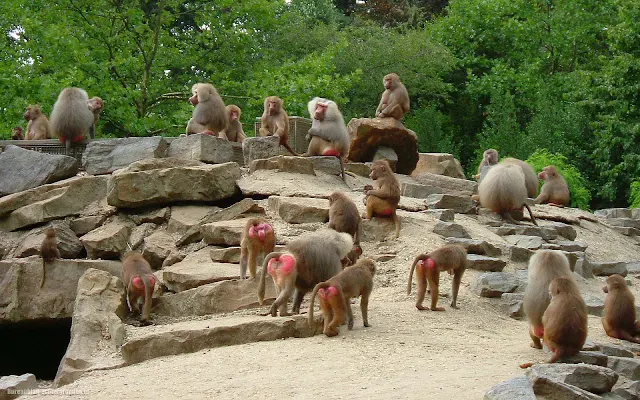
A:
257	148
439	163
196	269
134	188
201	147
106	156
107	241
22	169
447	184
298	210
368	134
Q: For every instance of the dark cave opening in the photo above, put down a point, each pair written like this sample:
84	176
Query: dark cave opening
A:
33	347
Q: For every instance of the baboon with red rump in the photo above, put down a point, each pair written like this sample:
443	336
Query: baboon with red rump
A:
564	321
395	101
38	127
48	251
209	115
71	118
139	283
619	320
336	293
306	261
233	132
275	122
257	238
451	258
383	201
555	190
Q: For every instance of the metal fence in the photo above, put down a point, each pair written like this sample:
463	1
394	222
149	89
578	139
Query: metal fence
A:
298	129
49	146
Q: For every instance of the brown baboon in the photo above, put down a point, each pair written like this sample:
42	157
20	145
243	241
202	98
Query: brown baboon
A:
139	283
71	118
344	215
16	133
257	238
48	251
395	98
275	122
619	320
308	260
451	258
336	294
95	105
209	115
555	190
384	200
38	127
233	132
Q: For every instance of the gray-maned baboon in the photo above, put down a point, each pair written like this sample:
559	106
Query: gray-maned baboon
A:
209	115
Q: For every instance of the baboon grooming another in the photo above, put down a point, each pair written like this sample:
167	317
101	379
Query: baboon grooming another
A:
503	190
619	320
71	118
139	283
451	258
565	320
328	135
233	132
38	127
257	238
395	98
336	294
308	260
544	266
48	251
275	122
209	115
555	190
384	200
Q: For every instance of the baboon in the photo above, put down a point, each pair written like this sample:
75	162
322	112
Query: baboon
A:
48	251
544	266
233	131
257	238
555	190
275	122
489	158
353	256
344	215
451	258
16	133
384	200
619	320
395	98
530	176
71	118
38	127
307	260
337	292
209	115
95	105
503	190
139	283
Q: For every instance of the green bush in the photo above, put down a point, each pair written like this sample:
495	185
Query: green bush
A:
634	197
580	195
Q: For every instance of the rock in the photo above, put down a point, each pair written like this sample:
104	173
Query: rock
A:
329	165
68	243
105	156
583	268
454	186
201	147
108	241
475	246
256	148
613	213
629	391
83	225
22	169
519	254
569	246
224	233
298	165
440	164
635	213
443	215
298	210
386	153
587	357
157	248
21	297
184	217
633	268
565	230
624	222
615	350
459	204
494	284
608	268
595	306
12	385
527	242
196	269
384	257
154	215
213	298
138	233
484	263
546	388
174	257
513	304
450	229
514	389
592	378
361	169
225	255
628	367
54	201
417	190
367	135
131	188
97	331
192	336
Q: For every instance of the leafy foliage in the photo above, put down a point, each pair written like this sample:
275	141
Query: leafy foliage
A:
634	198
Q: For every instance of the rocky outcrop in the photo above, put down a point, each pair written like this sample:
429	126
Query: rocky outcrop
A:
201	147
440	164
105	156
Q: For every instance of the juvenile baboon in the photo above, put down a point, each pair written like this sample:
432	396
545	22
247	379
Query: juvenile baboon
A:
555	190
95	105
503	190
353	256
544	266
489	158
139	283
384	200
209	115
257	238
619	320
395	98
275	122
336	294
307	260
16	133
48	251
38	127
71	118
530	176
344	215
565	320
233	132
451	258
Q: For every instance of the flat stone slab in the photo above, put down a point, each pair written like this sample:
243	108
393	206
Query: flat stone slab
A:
298	210
201	147
196	270
608	268
514	389
108	155
11	383
613	213
191	336
494	284
458	203
448	184
417	190
226	233
484	263
475	246
592	378
450	229
527	242
628	367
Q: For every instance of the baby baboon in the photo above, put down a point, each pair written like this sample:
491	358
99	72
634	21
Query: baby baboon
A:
48	251
139	283
275	122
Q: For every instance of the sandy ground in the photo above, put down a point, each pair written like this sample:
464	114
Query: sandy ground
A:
405	354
